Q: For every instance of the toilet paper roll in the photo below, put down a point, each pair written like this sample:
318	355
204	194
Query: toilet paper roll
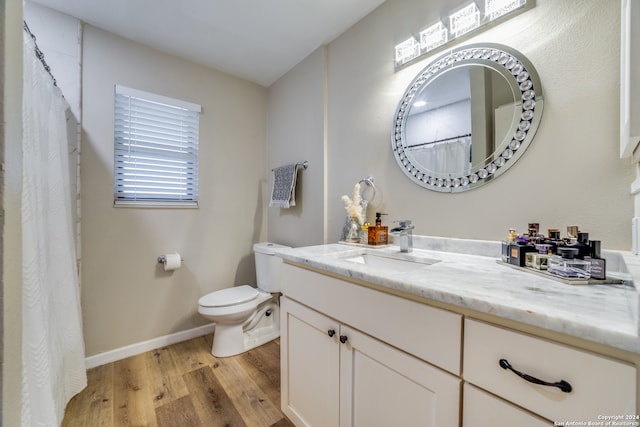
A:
172	262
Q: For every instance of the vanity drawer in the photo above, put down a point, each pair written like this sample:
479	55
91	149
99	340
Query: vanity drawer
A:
429	333
600	386
482	409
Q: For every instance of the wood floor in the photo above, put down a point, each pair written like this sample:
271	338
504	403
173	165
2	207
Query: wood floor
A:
183	385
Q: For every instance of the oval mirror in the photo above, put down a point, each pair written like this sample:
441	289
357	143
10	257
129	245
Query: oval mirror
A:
467	117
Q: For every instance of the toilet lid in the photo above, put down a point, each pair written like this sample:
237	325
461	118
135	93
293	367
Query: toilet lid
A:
229	296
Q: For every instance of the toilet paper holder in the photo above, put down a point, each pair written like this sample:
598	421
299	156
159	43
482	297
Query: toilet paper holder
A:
163	258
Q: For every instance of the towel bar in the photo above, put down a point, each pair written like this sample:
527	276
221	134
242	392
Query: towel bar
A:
304	164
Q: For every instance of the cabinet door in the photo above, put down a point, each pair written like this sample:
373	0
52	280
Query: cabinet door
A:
484	410
309	366
382	386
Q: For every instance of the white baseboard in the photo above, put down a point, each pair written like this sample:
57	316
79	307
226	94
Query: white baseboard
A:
141	347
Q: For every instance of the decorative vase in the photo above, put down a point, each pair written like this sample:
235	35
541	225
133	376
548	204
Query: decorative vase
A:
353	234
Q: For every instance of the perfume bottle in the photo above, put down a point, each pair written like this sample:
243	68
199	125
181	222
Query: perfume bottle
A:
506	244
598	265
566	265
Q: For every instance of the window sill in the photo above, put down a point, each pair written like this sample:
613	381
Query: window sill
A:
155	204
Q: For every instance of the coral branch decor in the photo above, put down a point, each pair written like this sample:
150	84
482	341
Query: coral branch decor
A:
353	205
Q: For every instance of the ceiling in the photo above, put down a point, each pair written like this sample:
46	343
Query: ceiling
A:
258	40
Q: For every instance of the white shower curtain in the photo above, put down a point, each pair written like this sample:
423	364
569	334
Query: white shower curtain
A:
52	344
445	158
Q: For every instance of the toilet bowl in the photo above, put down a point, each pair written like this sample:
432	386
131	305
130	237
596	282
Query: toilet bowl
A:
246	317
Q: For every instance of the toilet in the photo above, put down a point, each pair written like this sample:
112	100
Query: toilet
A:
246	317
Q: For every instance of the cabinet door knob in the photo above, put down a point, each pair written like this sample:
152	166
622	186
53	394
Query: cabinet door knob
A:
331	332
562	384
343	339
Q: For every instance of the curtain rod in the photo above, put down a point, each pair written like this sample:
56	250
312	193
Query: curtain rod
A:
39	53
439	140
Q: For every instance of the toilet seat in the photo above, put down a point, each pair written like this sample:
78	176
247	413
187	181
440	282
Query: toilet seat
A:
228	297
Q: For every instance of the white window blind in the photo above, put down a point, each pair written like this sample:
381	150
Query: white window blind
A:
155	150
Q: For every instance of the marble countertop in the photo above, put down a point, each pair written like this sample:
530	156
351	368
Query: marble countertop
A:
468	275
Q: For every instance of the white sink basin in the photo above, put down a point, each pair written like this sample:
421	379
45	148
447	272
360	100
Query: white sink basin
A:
397	262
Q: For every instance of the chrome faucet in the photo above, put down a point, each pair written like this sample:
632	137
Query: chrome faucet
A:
405	234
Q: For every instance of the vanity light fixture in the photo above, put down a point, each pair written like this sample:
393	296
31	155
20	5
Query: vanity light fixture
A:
407	51
433	37
464	20
496	8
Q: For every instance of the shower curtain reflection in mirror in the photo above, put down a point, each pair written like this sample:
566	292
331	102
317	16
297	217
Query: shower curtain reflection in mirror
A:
52	342
443	149
447	158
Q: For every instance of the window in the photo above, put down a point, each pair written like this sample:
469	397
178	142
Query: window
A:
155	150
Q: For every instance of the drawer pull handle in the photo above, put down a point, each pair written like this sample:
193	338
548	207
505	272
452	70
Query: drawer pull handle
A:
562	384
331	333
343	339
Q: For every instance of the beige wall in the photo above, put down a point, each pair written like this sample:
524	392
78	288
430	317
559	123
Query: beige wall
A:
126	297
571	173
296	132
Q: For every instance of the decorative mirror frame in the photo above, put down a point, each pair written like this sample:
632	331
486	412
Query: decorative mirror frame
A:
520	73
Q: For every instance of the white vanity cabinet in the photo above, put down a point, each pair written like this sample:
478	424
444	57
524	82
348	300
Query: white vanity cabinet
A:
355	355
335	374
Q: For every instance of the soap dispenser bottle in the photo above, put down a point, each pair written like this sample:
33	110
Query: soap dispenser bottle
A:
378	234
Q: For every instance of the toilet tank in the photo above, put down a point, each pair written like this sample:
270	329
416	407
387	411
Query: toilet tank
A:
268	266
